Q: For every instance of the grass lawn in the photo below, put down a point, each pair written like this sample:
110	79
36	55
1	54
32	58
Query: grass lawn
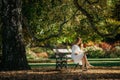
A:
105	69
110	62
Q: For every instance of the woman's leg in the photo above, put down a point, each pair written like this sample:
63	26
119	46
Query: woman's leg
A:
83	62
87	62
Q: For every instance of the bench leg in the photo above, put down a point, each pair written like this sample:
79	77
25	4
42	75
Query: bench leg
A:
76	65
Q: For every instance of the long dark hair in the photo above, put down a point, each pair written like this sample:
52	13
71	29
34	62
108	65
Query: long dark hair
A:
77	40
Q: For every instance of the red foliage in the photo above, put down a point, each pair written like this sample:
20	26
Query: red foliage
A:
105	46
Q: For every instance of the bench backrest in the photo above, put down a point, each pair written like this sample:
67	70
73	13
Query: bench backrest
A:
62	50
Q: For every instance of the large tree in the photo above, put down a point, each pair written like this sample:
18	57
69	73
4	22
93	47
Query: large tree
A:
13	48
58	18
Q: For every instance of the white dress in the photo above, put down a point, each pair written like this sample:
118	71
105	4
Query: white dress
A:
77	58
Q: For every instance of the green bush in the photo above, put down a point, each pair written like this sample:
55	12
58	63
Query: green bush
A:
94	52
115	53
37	49
117	48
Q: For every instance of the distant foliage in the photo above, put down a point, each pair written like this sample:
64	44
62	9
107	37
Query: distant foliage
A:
115	53
45	17
95	52
103	50
105	46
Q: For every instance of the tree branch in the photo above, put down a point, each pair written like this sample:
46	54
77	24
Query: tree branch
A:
90	2
92	24
51	36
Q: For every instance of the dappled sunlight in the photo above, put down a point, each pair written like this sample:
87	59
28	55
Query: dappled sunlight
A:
51	73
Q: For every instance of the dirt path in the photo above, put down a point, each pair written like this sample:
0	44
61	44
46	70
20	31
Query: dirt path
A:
108	73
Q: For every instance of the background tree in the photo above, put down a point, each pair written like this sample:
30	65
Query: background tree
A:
47	18
13	48
50	22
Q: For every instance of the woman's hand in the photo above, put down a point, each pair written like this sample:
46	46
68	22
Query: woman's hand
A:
86	52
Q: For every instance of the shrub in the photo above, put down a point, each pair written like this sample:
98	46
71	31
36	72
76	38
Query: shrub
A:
95	52
105	46
116	52
37	49
113	53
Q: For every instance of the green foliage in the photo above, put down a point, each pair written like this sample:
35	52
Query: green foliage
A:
45	21
37	50
46	16
115	53
95	52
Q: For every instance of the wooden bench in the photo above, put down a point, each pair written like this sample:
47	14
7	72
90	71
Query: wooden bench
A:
61	56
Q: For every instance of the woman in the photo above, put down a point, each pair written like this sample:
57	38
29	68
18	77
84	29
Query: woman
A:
78	55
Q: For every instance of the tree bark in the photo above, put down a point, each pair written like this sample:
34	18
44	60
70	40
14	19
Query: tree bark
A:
13	48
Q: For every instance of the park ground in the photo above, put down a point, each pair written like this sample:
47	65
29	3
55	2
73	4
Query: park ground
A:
43	73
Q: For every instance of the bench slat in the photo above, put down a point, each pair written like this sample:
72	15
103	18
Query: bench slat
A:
62	50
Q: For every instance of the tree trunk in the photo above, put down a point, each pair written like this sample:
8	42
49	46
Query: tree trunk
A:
13	48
